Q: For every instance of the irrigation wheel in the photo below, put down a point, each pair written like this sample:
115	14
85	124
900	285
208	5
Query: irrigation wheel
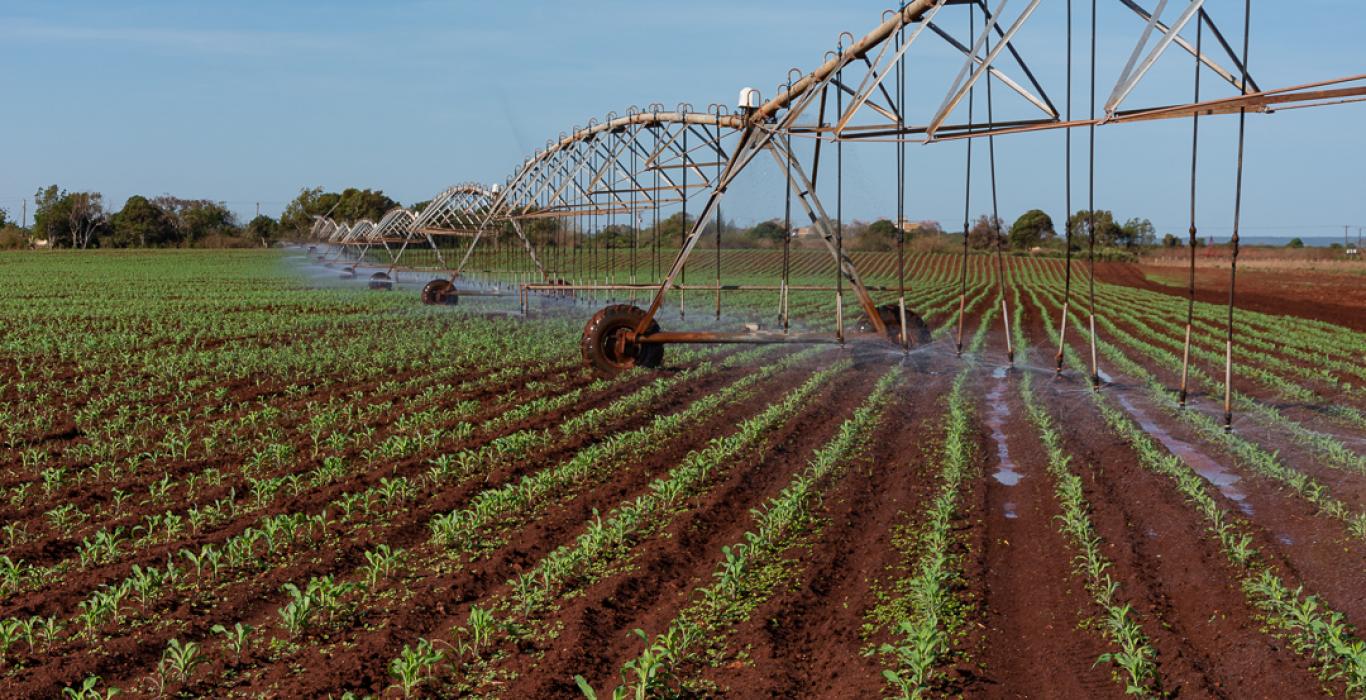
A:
918	333
348	272
381	281
439	291
605	346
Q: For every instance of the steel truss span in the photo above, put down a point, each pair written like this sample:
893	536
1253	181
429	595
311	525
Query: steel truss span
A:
628	167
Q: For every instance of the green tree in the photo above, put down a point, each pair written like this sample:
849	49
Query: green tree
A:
263	229
878	236
672	229
298	215
356	204
1170	241
141	223
986	233
351	205
1032	228
1137	233
1295	243
197	219
614	236
1107	231
69	219
3	217
543	232
771	231
52	216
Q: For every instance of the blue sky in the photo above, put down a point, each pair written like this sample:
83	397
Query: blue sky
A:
249	101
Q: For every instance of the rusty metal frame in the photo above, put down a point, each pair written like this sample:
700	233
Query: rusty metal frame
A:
599	170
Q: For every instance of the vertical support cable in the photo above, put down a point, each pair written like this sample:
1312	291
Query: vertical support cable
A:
683	225
1195	151
576	237
997	230
1091	212
611	227
1237	222
839	205
635	217
967	197
718	214
1067	204
657	196
904	338
787	224
593	233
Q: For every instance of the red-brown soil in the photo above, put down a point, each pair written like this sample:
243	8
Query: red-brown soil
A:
1324	296
1029	626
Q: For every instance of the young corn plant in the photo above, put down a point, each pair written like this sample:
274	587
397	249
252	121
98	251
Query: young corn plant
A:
414	666
179	661
89	690
237	638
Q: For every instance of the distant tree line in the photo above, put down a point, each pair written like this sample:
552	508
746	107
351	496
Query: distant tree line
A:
1033	230
350	205
79	220
64	219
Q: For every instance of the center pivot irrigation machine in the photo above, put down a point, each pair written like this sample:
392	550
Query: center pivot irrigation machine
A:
635	165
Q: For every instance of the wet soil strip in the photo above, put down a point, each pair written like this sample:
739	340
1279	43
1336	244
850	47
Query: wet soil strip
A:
1211	639
1030	601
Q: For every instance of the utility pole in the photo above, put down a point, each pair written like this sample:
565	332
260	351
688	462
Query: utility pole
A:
258	208
26	214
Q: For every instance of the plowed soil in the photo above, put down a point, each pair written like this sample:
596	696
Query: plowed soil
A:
1023	623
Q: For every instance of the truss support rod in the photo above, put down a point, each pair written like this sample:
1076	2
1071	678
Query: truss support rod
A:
1129	78
751	141
1219	70
962	89
806	194
877	76
1041	102
911	13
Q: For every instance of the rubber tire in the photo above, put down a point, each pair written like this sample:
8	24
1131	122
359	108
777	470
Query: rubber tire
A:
439	291
602	328
381	281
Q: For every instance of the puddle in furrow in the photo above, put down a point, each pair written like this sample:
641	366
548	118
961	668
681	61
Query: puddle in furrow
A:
1210	470
1285	539
997	416
1011	513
